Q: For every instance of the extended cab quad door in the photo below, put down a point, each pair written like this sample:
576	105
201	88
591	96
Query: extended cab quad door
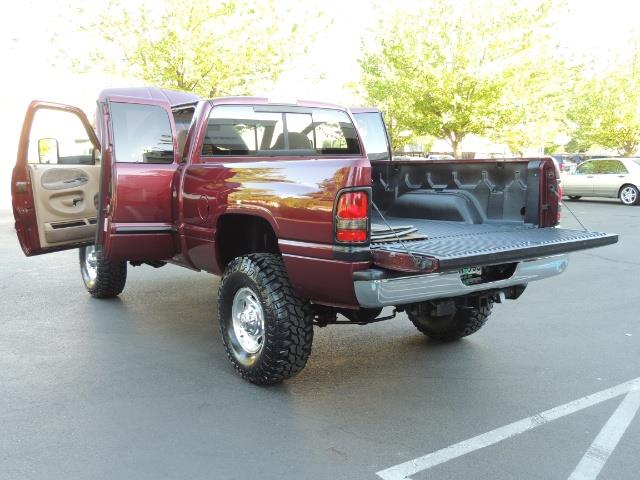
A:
107	192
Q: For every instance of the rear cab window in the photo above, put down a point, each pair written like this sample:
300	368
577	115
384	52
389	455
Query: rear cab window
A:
245	130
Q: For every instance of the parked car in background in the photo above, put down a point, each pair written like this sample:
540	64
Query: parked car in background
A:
606	177
440	156
565	163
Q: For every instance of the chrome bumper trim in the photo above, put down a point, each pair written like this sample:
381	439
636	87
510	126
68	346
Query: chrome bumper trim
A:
418	288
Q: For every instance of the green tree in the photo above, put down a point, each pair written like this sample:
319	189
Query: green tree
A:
456	68
539	100
210	47
606	109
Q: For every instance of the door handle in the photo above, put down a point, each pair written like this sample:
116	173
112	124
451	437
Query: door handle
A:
73	202
589	176
621	176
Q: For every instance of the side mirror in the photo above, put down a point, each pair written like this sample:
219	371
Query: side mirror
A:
48	150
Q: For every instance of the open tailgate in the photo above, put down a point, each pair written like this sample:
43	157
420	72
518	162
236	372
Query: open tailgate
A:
457	246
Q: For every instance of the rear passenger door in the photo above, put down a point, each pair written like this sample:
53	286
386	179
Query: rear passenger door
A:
137	202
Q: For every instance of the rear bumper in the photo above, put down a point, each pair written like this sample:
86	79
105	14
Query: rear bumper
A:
377	288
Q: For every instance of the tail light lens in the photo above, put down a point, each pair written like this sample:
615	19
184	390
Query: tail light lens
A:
352	217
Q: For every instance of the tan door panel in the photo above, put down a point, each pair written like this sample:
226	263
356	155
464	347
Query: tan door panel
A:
65	201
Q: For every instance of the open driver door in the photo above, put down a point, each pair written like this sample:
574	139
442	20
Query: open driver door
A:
56	179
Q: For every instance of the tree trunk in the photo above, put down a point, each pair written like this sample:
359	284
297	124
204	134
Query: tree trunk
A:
457	147
629	150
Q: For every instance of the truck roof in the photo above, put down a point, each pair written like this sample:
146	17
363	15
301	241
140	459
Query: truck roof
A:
176	98
242	100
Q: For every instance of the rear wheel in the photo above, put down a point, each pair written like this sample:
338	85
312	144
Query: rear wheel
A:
266	329
629	195
102	278
463	322
575	197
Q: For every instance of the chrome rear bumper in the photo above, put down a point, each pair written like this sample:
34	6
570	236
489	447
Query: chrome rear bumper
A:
380	292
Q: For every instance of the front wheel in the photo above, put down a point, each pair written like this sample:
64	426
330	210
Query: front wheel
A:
463	322
266	329
575	197
102	278
629	195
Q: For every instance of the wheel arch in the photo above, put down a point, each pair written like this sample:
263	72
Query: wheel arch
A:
239	234
627	184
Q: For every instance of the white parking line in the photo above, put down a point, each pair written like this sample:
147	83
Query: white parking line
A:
411	467
608	438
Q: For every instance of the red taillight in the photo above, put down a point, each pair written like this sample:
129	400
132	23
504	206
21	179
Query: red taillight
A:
352	217
353	205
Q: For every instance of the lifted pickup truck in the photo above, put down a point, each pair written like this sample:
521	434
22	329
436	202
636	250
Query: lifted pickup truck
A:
299	207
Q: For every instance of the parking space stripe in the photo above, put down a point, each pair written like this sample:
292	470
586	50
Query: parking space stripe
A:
411	467
607	440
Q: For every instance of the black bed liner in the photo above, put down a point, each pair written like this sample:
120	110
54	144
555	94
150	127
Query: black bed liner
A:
458	244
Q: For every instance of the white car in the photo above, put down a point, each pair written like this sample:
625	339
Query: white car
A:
605	177
440	156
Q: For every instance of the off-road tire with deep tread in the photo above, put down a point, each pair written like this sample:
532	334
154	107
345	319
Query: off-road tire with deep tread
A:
288	320
111	277
464	322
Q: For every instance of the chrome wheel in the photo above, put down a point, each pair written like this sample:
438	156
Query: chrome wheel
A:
629	195
89	265
248	320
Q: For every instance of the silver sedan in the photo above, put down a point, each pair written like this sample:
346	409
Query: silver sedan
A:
605	177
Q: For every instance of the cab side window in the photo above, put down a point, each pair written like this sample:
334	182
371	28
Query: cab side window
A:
141	133
59	137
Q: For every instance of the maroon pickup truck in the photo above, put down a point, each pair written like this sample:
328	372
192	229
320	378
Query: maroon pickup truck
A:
299	207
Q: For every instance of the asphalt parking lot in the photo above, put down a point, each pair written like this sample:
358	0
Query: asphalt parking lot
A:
139	387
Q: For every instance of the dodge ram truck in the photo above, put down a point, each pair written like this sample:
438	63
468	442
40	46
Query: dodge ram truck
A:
300	208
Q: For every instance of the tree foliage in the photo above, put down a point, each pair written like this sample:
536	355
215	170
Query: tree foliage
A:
455	68
606	108
210	47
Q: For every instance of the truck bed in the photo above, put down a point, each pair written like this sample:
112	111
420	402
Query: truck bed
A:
459	244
